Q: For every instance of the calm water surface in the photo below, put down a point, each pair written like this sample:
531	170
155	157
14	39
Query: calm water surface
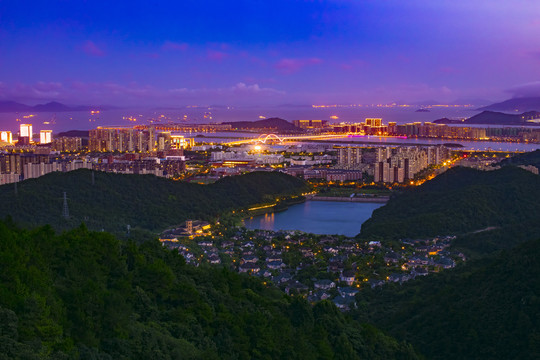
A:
318	217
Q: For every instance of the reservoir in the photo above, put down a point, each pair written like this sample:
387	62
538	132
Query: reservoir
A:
318	217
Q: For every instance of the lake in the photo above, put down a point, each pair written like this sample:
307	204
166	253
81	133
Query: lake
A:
318	217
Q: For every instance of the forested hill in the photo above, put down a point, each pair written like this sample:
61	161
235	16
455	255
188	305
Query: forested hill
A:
528	158
487	309
276	124
86	295
461	201
148	202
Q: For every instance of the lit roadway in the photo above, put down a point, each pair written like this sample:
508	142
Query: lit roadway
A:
263	138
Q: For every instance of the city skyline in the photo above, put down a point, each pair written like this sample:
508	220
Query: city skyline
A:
268	53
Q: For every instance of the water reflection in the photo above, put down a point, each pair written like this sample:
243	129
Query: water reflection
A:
319	217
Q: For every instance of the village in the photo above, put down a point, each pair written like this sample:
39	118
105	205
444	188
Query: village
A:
316	267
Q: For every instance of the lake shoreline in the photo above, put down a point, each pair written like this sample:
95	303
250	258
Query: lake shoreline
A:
379	199
317	217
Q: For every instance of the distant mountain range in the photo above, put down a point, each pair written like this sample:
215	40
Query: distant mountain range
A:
495	118
53	106
460	101
270	123
515	104
75	133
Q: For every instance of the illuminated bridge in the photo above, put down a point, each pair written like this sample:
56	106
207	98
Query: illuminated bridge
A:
264	138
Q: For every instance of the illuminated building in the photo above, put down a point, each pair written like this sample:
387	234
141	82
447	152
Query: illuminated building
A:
25	134
67	144
164	141
45	136
6	136
309	124
303	124
349	157
374	122
122	139
180	142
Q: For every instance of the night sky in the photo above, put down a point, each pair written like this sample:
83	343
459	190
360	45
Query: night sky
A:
268	52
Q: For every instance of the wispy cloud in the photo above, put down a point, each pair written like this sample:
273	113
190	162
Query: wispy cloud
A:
170	45
290	66
132	93
531	89
215	55
90	48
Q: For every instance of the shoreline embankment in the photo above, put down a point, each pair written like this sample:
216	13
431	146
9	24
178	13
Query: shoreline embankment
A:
378	199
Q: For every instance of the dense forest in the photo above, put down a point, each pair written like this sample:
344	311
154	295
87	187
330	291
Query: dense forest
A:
483	207
486	309
114	201
88	295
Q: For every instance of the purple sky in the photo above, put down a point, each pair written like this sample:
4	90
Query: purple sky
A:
268	52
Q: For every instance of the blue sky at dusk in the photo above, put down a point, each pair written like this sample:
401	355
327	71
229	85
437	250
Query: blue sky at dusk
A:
268	52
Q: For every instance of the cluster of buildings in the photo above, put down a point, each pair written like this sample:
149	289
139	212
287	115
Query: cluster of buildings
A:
391	164
403	163
375	126
284	258
433	130
46	143
15	167
310	124
134	139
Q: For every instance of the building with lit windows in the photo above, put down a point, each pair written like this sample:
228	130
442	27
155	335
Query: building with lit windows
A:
6	136
45	136
25	134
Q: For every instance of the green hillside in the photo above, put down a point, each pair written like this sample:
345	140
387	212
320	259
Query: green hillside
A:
488	309
87	295
462	201
528	158
147	202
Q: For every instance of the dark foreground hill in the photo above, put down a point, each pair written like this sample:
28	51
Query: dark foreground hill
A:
464	201
487	309
87	295
147	202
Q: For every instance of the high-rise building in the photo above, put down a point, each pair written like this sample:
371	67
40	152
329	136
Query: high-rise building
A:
65	143
374	122
26	130
349	157
6	136
45	136
25	134
123	139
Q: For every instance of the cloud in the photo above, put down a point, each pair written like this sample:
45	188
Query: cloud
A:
170	45
132	93
216	55
290	66
38	91
531	89
254	89
90	48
